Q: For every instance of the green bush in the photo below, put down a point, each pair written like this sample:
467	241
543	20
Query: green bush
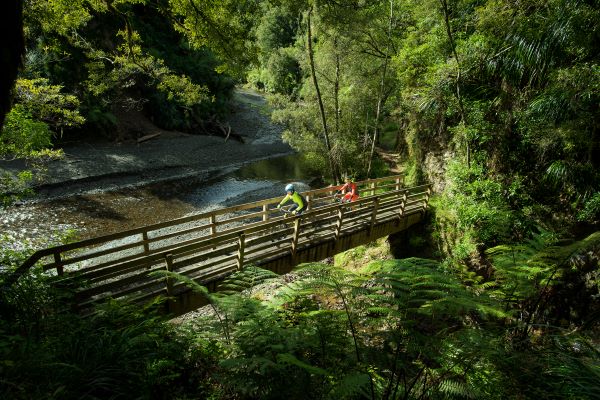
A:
591	209
14	187
21	134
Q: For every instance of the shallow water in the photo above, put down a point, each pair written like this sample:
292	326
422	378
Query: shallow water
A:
39	224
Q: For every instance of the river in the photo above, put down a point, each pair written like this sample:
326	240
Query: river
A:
40	224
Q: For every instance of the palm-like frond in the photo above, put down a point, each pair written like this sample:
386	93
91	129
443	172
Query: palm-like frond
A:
532	52
245	279
524	268
418	286
579	180
456	389
351	386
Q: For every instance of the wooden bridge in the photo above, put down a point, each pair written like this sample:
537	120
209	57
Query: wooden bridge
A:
210	246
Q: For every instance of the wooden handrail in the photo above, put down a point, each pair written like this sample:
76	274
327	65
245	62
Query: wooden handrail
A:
248	237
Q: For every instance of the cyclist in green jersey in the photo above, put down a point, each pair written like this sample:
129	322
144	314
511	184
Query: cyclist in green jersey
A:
299	203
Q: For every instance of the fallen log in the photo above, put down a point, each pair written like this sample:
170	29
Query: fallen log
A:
147	137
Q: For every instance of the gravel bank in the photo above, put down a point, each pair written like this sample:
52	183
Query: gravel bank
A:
104	188
92	168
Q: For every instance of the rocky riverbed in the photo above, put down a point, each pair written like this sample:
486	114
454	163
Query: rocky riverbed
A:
101	188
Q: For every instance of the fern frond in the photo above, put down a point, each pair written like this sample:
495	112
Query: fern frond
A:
457	389
245	279
353	385
521	270
195	286
290	359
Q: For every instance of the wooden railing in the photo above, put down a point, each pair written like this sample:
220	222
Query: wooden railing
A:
209	246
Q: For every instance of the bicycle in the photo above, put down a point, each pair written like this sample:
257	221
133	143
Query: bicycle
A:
286	211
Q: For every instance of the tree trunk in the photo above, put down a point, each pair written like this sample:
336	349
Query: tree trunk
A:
461	107
380	95
11	26
337	90
334	173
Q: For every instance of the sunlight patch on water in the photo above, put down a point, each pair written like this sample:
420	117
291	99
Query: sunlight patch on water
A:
218	195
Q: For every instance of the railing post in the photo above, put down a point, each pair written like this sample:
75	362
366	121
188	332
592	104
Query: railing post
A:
397	183
374	215
296	235
241	247
338	225
169	261
426	201
402	206
59	266
146	245
373	186
213	227
265	212
308	202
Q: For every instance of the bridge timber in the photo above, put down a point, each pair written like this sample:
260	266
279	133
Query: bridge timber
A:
210	246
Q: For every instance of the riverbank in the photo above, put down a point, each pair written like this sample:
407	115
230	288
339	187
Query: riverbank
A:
102	188
101	167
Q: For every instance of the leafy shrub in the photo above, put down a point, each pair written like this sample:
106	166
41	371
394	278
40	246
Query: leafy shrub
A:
14	188
282	72
591	209
46	103
475	211
21	134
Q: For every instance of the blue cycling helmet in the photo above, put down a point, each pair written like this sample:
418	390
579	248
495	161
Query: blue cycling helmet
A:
290	188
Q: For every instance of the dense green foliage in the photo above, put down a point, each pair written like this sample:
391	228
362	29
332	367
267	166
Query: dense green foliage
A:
99	68
114	57
494	101
395	329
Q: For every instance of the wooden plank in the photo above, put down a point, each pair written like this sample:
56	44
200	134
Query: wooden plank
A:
157	284
194	258
240	218
117	267
112	285
182	232
216	266
90	256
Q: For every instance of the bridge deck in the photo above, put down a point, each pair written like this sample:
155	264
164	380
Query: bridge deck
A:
209	246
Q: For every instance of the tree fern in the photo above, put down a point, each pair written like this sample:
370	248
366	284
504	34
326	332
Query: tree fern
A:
245	279
537	278
351	386
431	313
456	389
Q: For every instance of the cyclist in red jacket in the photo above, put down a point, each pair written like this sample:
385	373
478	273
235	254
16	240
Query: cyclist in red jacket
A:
349	191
